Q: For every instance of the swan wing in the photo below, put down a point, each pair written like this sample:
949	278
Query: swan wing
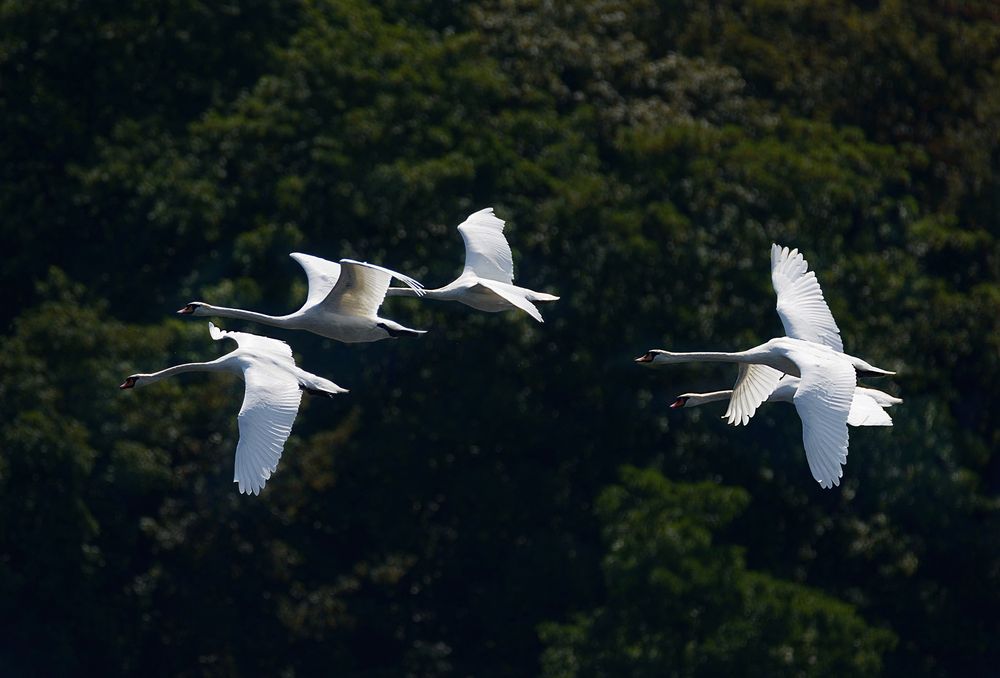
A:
801	306
361	288
269	407
866	411
511	296
321	275
823	401
487	252
255	343
754	385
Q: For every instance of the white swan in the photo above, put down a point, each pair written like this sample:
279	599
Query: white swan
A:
487	281
867	407
812	351
342	302
274	386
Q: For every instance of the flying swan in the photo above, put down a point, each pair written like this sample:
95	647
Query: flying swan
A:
274	386
487	281
342	302
812	351
867	407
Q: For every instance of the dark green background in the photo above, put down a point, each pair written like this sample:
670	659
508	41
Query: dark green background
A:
497	497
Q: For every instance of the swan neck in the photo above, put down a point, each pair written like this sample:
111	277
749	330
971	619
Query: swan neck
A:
224	312
702	398
212	366
704	357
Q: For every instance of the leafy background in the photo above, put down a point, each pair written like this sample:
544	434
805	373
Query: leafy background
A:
497	498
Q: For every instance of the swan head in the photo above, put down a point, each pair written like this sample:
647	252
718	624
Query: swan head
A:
653	357
130	382
191	309
696	399
682	401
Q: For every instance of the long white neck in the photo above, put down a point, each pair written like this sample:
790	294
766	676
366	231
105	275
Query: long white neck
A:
217	365
765	354
696	399
263	318
665	357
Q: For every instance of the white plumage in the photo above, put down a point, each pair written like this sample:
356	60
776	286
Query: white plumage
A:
274	386
487	280
825	393
867	407
342	302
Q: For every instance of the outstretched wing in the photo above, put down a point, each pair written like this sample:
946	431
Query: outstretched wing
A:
801	305
823	401
361	288
265	420
754	385
255	342
487	253
321	274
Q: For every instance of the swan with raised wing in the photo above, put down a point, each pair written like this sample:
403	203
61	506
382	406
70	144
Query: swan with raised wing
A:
342	302
812	351
274	387
867	407
487	281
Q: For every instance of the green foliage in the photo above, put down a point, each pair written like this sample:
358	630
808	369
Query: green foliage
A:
644	155
680	604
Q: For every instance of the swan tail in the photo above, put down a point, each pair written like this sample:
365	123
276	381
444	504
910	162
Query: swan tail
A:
318	386
395	330
882	398
541	296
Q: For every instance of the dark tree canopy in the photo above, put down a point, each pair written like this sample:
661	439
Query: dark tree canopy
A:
497	497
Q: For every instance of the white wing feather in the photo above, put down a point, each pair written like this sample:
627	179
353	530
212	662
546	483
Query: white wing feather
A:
866	411
754	385
361	288
265	421
801	306
487	252
500	289
321	274
823	402
254	342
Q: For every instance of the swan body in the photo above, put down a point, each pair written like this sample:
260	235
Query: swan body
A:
867	407
274	387
342	302
812	352
487	281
